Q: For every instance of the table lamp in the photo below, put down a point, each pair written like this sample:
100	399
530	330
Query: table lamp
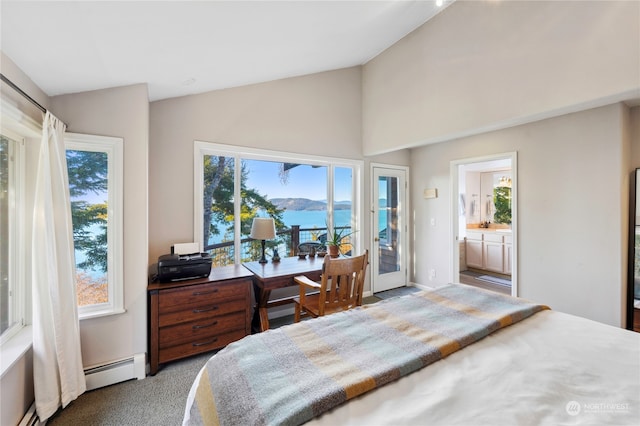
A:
263	228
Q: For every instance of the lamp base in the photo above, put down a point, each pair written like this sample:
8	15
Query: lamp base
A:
263	259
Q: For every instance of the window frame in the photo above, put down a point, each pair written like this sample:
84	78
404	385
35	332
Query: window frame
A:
113	147
17	265
202	148
23	129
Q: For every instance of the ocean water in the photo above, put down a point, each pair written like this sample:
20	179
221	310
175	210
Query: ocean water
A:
315	218
309	219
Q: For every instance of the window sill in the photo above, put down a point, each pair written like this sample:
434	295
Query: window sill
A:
15	348
101	313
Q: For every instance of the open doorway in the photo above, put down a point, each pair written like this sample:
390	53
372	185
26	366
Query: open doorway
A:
485	222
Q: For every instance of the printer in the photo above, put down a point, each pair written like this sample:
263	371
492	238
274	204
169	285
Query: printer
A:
175	267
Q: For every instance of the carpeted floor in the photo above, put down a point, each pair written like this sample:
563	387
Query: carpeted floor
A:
157	400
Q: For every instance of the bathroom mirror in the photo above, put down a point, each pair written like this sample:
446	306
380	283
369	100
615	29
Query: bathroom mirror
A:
488	197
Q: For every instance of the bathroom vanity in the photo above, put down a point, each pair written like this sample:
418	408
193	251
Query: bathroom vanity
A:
489	250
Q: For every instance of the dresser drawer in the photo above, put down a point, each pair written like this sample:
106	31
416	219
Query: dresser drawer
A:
173	299
199	345
195	316
200	329
203	309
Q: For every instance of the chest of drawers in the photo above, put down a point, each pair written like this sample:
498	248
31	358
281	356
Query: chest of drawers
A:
194	316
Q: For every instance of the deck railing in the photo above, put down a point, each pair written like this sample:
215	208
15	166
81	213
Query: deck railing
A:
286	243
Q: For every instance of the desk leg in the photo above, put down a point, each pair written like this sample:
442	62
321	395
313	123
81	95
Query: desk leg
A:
262	309
260	320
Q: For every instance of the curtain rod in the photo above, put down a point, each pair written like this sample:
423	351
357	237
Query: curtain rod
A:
21	92
24	94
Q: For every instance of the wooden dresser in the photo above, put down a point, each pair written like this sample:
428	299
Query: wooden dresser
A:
194	316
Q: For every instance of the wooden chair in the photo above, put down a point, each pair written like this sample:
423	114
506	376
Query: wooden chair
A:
340	288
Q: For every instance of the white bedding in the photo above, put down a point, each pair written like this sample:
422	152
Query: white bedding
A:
550	369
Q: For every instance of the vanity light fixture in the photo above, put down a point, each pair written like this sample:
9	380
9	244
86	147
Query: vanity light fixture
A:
505	182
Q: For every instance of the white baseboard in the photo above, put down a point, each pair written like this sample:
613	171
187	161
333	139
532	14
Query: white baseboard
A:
421	286
115	372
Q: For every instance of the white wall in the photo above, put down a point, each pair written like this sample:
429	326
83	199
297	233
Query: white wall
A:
484	65
318	114
121	112
572	194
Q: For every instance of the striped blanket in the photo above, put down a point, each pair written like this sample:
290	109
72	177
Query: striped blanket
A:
289	375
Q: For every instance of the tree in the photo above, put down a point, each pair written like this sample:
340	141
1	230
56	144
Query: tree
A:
88	174
218	199
502	201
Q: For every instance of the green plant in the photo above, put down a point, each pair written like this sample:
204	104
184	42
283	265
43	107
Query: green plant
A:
336	235
502	201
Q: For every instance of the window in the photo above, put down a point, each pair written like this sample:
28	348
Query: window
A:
12	272
94	165
304	194
19	138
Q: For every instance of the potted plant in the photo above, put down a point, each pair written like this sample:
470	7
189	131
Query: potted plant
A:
335	239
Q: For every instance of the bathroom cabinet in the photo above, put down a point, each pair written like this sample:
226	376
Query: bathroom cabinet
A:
474	250
489	251
493	252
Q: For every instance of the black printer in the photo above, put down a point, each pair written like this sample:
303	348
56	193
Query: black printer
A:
175	267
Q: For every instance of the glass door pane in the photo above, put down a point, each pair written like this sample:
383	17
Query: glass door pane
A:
389	229
389	259
218	207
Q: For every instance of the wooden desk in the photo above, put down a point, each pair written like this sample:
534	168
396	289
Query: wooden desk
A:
269	276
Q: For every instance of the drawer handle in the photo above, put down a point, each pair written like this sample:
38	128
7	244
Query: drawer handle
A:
197	327
198	311
202	293
215	339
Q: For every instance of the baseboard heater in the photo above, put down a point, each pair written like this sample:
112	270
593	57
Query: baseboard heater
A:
31	417
115	372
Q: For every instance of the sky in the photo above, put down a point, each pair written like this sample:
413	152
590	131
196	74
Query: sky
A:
303	181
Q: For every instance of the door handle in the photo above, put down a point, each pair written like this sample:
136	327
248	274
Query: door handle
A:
376	239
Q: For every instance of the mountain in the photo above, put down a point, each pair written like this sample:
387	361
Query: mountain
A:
306	204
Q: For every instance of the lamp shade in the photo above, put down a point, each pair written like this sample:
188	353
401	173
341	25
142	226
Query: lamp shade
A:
263	228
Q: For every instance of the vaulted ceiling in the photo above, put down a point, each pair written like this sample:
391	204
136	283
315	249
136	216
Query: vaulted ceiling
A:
185	47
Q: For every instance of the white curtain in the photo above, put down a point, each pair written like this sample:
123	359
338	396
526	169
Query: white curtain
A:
57	360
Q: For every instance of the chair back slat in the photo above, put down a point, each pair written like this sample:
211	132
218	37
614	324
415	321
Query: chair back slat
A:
343	281
341	287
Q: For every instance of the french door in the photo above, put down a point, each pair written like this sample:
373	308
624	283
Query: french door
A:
389	227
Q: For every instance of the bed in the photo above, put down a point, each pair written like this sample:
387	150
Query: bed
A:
454	355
